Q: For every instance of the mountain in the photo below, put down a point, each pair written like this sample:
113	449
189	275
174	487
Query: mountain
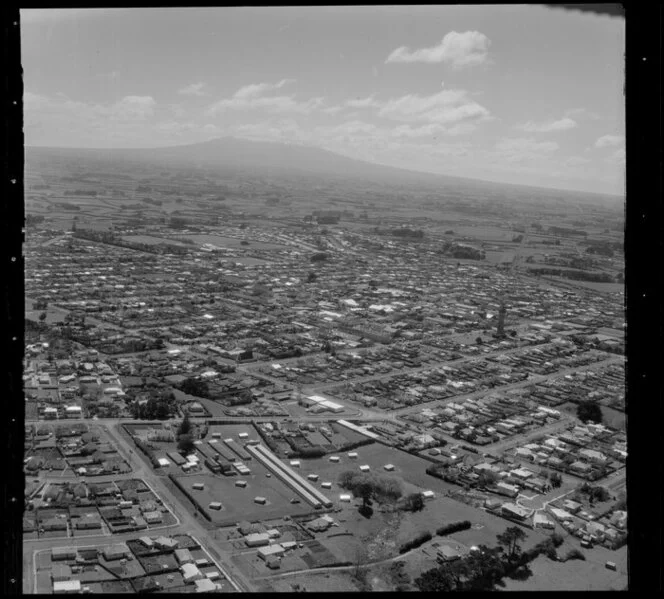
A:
241	154
266	158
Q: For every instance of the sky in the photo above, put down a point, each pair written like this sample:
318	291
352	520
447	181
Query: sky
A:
520	94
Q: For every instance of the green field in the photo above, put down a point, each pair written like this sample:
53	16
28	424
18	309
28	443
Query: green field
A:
232	242
574	575
408	468
149	240
238	503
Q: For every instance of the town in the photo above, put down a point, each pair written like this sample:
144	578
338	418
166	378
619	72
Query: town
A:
227	390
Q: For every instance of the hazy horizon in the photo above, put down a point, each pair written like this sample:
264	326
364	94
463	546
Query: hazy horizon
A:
359	161
521	95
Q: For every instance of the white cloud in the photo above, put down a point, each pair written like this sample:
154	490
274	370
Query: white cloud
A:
193	89
458	49
445	107
257	89
617	157
610	141
368	102
134	107
563	124
250	97
582	113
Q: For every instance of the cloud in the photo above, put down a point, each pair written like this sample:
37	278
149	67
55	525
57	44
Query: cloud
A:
257	89
134	107
582	113
251	97
368	102
563	124
610	141
458	49
193	89
445	107
129	121
617	157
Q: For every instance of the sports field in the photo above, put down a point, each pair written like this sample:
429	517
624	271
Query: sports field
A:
233	242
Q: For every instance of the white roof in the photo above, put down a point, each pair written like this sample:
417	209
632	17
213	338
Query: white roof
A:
67	585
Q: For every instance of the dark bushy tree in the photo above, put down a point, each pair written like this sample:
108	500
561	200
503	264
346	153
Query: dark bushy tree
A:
589	411
186	444
510	540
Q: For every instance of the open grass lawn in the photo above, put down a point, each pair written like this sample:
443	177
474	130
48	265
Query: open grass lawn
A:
332	582
602	287
238	503
233	242
588	575
484	233
408	468
232	431
149	240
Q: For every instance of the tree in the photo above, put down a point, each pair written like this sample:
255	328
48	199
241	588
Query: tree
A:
364	490
510	540
479	341
556	480
42	317
487	479
186	444
185	426
485	567
311	277
414	502
589	411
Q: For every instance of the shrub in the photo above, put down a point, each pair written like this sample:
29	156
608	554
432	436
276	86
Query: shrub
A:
449	529
315	451
575	554
416	542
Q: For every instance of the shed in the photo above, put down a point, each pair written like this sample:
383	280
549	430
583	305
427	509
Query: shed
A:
113	552
183	556
257	539
62	553
62	587
205	585
270	550
190	572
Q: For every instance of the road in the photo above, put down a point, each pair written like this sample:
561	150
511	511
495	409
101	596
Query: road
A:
530	381
188	523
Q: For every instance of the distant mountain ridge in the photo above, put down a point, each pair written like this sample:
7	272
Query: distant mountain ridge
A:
269	156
